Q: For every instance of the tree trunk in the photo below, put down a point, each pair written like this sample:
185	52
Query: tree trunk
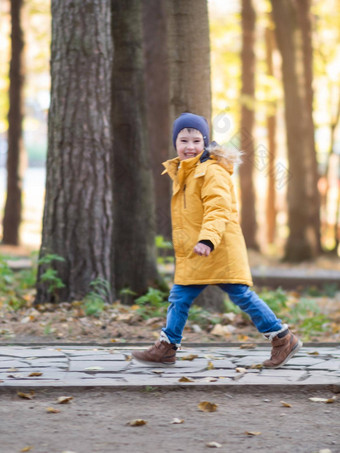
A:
78	216
293	37
190	89
271	128
134	228
157	103
189	58
13	205
248	214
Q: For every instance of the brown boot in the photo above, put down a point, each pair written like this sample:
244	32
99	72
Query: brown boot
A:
161	352
284	346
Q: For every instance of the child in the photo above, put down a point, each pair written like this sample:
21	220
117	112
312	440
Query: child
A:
208	242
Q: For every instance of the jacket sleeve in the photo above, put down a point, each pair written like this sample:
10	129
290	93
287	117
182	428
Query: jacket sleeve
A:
217	204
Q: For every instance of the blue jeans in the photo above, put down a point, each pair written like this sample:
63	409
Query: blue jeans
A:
182	296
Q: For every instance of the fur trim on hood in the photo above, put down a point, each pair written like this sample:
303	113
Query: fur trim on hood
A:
227	157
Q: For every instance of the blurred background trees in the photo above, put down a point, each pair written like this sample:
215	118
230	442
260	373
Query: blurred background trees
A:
266	75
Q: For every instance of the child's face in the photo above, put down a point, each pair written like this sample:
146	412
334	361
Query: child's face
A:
189	143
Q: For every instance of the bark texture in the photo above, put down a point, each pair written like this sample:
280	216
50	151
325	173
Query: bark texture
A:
189	58
157	103
248	200
13	205
190	88
134	228
78	216
293	32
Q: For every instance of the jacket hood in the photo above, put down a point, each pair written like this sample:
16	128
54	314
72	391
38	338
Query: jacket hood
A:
226	157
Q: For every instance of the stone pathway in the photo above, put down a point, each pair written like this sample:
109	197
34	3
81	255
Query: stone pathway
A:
200	365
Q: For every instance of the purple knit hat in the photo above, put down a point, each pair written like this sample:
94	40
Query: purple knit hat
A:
187	120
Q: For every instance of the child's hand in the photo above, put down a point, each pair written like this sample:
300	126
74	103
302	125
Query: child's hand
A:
202	249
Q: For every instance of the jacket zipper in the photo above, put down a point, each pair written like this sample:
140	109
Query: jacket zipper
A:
185	201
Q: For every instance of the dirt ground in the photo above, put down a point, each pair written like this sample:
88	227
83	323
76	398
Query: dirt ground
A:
97	421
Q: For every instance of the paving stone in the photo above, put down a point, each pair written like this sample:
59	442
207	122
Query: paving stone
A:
329	365
107	366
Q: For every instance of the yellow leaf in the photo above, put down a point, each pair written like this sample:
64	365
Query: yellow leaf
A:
253	433
64	399
248	346
26	396
210	366
207	406
323	400
185	379
256	366
189	357
285	404
177	421
28	448
52	410
137	422
35	373
313	353
213	445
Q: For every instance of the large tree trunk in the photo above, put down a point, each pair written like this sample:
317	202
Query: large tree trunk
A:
190	89
292	20
248	214
13	205
157	102
78	216
134	228
189	58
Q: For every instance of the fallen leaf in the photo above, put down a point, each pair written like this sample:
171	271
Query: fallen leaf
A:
210	366
222	331
26	396
285	404
323	400
137	422
28	448
213	445
177	421
52	410
209	379
94	368
314	353
189	357
207	406
35	373
248	346
256	366
253	433
128	357
64	399
157	371
185	379
240	370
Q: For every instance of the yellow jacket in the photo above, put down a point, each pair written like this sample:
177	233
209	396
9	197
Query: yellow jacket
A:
203	207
